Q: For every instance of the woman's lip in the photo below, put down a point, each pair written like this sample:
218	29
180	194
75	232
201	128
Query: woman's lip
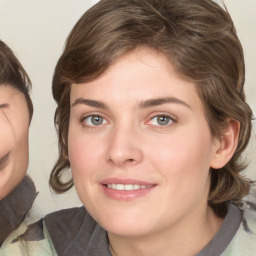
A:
124	194
126	182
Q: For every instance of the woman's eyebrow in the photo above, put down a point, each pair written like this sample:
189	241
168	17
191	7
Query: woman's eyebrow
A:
144	104
88	102
160	101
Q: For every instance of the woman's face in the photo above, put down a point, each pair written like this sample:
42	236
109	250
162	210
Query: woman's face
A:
140	147
14	125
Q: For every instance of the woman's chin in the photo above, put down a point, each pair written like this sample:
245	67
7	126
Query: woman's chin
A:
126	227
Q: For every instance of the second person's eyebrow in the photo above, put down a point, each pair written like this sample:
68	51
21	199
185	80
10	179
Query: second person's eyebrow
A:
4	160
3	105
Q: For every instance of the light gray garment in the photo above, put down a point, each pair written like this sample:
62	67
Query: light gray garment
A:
14	207
74	232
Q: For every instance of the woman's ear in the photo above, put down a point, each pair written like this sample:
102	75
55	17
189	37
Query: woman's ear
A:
226	145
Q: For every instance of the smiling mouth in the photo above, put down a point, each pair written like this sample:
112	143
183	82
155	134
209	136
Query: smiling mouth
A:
127	187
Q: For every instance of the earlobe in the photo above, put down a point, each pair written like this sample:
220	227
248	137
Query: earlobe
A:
226	145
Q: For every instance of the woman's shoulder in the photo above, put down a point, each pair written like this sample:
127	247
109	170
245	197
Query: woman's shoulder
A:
64	225
66	217
40	238
32	240
244	241
74	232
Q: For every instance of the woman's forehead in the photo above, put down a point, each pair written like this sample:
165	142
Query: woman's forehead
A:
9	90
13	99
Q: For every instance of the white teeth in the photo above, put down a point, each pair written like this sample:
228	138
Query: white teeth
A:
119	186
127	186
136	186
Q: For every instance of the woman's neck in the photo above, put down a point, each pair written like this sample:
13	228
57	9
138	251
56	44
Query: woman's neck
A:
187	238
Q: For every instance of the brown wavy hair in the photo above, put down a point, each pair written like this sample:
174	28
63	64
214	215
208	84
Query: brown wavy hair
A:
13	74
199	39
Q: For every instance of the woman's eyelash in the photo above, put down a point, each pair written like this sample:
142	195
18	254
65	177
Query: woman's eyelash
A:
93	120
162	120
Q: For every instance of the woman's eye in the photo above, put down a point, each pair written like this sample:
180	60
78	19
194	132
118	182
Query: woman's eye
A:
161	120
94	120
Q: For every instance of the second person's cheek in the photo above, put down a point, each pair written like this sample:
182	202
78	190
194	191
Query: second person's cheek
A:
7	136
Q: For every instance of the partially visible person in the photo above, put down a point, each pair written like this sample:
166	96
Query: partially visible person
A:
16	112
152	121
17	191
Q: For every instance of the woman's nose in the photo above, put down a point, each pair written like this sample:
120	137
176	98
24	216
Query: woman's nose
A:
124	148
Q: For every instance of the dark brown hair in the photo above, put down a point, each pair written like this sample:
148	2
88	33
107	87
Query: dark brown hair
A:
199	39
13	74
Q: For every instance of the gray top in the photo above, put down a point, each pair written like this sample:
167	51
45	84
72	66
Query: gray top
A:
225	234
74	232
14	207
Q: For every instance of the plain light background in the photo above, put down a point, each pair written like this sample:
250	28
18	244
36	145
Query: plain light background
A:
36	31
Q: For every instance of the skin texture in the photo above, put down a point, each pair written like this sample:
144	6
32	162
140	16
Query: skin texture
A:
14	126
129	142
